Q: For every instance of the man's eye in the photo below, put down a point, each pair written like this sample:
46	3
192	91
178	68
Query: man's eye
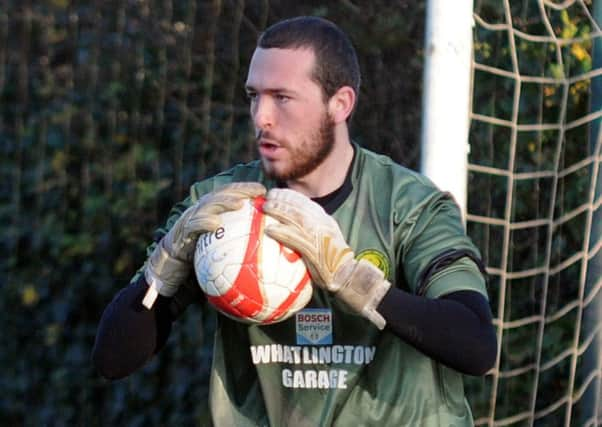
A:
251	95
283	98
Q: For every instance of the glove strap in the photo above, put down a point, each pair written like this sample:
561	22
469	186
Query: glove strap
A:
164	274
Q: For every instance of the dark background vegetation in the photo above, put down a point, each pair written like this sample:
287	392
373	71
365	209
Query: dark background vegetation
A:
109	110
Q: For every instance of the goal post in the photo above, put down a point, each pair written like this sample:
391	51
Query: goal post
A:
446	95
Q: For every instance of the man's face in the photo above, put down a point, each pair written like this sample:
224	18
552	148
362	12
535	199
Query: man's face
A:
293	129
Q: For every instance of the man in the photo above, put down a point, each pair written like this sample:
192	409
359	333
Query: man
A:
398	337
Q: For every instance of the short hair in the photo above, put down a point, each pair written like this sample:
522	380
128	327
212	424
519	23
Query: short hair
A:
336	61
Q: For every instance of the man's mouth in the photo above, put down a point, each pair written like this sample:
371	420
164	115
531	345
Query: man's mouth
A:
268	148
267	144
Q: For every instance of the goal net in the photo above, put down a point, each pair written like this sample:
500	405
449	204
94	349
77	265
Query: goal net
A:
534	208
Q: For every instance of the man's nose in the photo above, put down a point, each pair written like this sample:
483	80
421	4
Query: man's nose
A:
263	112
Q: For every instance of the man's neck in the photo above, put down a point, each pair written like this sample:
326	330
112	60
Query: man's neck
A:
331	173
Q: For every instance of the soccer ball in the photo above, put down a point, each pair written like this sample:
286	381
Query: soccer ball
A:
246	274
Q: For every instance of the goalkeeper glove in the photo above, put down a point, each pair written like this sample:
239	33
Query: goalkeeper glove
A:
308	229
171	261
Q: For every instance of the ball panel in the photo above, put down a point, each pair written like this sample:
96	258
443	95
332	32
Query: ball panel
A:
216	287
237	303
284	311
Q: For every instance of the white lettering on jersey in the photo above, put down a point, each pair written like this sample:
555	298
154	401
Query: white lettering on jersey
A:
260	354
313	355
332	378
307	355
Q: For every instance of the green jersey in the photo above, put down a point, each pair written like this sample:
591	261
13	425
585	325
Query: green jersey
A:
328	366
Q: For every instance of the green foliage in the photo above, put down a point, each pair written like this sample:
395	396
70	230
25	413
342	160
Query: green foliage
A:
108	112
542	154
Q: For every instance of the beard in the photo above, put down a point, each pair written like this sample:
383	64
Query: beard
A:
305	156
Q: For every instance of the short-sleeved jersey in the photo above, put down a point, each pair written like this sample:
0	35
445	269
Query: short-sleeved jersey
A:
327	366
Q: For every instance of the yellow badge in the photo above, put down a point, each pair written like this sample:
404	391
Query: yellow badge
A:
377	258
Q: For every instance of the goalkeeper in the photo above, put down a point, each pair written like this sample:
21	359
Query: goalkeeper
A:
399	298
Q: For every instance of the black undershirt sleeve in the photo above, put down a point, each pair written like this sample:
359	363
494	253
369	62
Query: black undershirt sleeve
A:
129	334
455	330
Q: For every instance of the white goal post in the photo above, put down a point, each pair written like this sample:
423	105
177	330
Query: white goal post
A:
446	95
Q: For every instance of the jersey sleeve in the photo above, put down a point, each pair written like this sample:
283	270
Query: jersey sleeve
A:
437	256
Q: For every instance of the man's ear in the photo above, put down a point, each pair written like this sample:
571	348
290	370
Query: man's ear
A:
341	104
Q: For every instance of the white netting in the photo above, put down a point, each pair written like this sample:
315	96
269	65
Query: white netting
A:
534	207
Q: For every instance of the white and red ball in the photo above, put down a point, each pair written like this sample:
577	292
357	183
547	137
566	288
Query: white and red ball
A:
246	274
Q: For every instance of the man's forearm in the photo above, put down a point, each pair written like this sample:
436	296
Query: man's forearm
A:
129	333
455	330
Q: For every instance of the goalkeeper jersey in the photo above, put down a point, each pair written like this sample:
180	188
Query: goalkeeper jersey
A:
327	366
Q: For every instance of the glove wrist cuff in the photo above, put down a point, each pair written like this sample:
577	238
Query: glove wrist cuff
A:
364	289
164	275
369	311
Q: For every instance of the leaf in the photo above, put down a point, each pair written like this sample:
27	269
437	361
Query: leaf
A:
29	296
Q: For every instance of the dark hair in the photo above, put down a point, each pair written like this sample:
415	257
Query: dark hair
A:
336	61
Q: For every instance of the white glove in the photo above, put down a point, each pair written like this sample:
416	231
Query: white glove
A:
308	229
170	263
